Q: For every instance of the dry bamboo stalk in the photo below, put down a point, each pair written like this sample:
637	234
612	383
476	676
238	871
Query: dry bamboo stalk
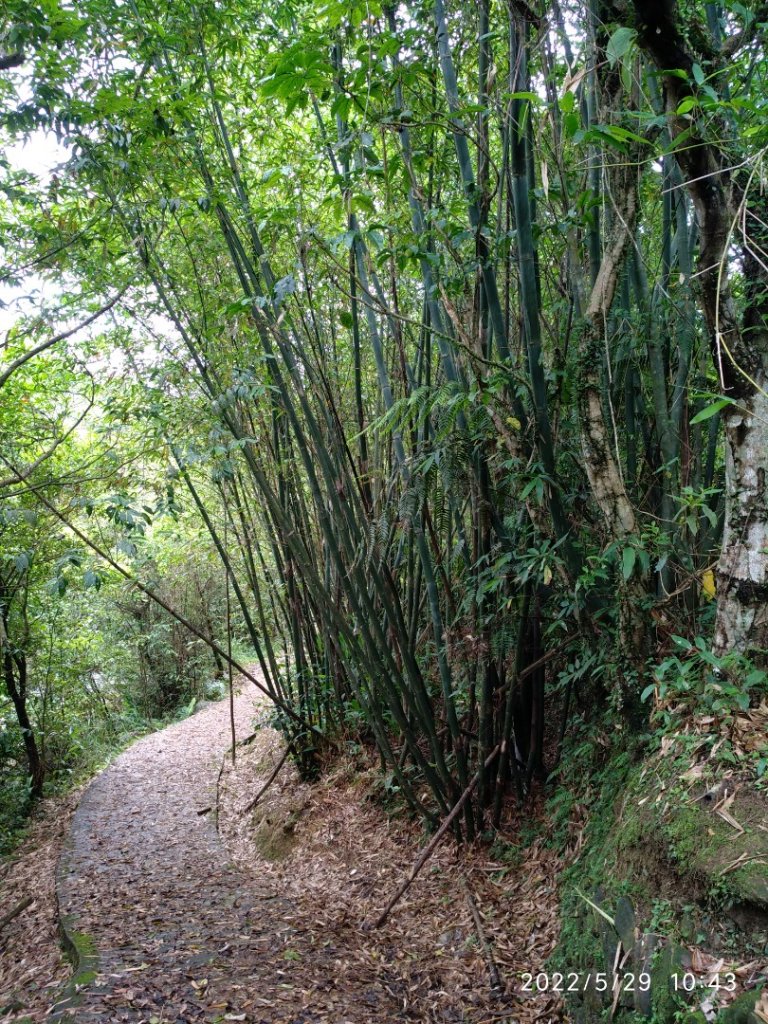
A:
7	918
485	945
431	846
270	780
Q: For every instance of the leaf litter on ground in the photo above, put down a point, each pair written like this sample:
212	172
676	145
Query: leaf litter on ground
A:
334	852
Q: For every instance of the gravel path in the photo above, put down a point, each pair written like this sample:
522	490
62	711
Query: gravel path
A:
175	933
181	936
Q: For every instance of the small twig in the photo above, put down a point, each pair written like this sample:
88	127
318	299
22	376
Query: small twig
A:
485	945
431	846
218	792
544	659
16	911
270	780
741	860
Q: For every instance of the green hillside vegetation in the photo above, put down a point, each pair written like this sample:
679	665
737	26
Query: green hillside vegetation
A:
411	362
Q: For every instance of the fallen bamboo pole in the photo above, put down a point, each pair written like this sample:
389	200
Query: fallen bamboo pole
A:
270	780
431	846
7	918
485	945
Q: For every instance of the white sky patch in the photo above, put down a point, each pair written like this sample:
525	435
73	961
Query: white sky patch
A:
42	155
40	152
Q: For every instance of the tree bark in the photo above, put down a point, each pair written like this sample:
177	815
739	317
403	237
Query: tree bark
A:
742	571
730	211
597	434
15	675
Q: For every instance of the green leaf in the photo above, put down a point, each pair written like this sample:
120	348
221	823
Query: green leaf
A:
647	692
92	579
711	410
628	558
21	562
619	44
571	123
686	105
284	287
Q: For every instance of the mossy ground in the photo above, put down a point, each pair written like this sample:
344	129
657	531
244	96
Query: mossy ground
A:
272	840
691	878
85	960
81	950
275	817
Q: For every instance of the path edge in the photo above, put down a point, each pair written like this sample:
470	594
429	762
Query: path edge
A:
79	948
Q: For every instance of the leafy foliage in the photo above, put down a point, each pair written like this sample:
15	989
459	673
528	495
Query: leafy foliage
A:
395	370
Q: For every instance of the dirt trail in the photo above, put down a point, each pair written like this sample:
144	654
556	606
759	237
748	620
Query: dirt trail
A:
173	932
180	934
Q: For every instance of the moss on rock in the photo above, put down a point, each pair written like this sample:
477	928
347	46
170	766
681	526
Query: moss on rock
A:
689	875
740	1011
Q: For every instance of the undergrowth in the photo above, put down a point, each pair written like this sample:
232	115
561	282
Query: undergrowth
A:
643	847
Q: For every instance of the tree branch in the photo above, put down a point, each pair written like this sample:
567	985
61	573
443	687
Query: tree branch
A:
11	60
26	356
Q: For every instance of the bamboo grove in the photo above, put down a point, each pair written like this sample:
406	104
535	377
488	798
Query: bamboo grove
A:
426	309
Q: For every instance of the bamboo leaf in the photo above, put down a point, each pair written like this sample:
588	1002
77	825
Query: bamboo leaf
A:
711	410
619	44
595	907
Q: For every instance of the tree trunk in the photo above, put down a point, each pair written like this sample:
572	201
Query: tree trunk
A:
731	211
598	440
16	685
742	572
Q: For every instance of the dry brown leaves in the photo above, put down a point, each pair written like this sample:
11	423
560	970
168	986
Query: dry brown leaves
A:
300	951
336	856
31	962
750	730
747	731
